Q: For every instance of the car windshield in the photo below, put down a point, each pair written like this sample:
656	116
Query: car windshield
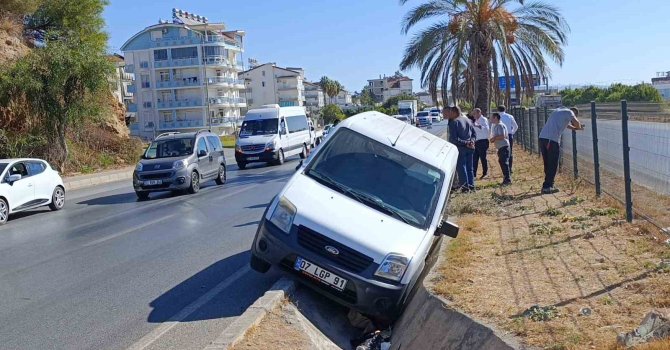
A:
401	186
170	148
422	114
259	127
405	111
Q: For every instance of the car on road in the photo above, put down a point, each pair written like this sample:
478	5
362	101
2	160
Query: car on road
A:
362	220
326	129
423	119
177	161
403	118
28	184
272	133
435	117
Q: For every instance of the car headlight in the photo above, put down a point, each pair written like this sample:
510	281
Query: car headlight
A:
393	267
180	164
238	148
283	215
271	145
139	167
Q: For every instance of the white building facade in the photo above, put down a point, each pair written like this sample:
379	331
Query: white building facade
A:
386	87
342	99
662	83
270	84
186	76
314	97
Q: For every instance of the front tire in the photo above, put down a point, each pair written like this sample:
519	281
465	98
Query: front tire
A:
280	157
258	264
195	183
221	178
4	211
57	199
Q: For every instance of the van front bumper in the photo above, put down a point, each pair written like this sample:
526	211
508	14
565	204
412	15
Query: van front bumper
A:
362	292
169	181
263	157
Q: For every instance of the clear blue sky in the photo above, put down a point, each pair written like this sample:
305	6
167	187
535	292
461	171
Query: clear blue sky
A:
354	40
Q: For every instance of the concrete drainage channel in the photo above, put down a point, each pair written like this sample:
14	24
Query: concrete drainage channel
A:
427	323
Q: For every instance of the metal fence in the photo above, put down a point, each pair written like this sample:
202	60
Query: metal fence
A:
624	152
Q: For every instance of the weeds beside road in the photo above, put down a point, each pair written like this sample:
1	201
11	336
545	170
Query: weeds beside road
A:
563	252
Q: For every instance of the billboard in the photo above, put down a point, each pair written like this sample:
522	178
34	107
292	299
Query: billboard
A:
502	82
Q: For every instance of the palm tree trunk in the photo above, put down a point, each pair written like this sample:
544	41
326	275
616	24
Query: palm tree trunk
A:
483	78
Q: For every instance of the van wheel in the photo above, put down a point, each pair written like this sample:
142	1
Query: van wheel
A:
303	154
221	178
57	199
4	211
280	157
242	166
195	183
258	264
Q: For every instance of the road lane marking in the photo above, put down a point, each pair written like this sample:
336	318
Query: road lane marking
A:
159	331
118	234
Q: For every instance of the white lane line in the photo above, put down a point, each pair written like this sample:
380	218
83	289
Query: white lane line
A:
118	234
188	310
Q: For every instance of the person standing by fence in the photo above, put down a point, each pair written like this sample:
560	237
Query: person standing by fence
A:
512	127
500	138
550	138
482	131
462	135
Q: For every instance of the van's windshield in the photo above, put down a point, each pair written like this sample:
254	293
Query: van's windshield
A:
259	127
400	186
179	147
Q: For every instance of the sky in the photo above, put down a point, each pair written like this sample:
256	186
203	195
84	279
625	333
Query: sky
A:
355	40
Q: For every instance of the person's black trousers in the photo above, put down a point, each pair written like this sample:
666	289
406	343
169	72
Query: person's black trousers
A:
481	147
550	154
503	160
511	151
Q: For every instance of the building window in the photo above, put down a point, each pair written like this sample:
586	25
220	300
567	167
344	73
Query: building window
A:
160	55
263	73
164	76
144	64
144	79
156	35
183	32
184	53
216	51
146	104
166	116
263	84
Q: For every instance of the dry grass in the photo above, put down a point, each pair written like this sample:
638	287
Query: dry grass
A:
275	332
569	250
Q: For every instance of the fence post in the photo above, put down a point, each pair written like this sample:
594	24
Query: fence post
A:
574	154
626	160
596	155
527	123
539	129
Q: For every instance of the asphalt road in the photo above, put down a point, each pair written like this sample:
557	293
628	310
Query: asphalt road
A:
109	272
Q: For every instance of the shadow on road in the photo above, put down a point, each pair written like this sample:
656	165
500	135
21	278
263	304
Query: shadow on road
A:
250	223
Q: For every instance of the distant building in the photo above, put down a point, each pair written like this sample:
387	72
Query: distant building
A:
314	97
342	99
386	87
426	99
269	84
185	76
120	80
662	83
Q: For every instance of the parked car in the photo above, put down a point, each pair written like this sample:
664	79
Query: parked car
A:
423	119
27	184
272	133
435	117
180	162
326	129
362	220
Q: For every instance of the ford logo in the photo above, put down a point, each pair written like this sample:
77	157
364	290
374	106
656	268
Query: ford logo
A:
332	250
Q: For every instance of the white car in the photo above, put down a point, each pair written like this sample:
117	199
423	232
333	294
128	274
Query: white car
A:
27	184
362	220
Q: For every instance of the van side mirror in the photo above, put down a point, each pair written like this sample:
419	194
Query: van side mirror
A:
202	153
448	229
312	128
13	178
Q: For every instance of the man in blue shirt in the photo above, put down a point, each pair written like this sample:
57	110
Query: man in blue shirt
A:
462	135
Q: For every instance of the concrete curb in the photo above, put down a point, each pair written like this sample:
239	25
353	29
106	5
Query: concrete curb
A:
234	333
83	181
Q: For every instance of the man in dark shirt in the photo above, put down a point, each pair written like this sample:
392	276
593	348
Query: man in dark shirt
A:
462	134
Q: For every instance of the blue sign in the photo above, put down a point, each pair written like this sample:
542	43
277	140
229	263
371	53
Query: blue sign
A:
502	82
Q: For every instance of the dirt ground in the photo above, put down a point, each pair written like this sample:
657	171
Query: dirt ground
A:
592	274
276	331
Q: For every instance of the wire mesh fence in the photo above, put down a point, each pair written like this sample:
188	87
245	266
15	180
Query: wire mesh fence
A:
600	156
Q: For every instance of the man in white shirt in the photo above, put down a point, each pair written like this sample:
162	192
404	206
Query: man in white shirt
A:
500	138
512	127
482	131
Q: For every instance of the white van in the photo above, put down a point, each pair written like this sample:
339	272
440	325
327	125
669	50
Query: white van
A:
272	133
362	220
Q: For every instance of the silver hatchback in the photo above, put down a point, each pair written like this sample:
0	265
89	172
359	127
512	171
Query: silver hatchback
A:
180	162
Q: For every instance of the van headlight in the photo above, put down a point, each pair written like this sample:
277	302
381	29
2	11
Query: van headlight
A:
180	164
393	267
238	148
283	215
139	167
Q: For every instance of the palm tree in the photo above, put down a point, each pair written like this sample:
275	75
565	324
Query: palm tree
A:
474	42
331	87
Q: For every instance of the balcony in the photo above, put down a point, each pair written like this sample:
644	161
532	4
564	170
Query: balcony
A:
287	87
221	61
179	83
214	39
225	81
127	76
239	101
179	104
221	101
130	68
132	108
181	124
134	128
131	89
167	42
177	63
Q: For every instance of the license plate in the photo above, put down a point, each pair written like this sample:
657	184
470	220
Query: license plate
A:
253	158
153	182
320	274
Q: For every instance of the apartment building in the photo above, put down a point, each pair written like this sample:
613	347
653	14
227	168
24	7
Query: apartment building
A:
314	97
342	99
427	99
269	84
186	76
120	80
662	83
386	87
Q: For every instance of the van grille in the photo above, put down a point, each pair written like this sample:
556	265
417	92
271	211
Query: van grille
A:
348	294
155	176
253	148
347	258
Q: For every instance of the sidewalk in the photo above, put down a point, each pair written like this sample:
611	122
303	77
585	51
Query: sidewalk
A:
89	180
590	274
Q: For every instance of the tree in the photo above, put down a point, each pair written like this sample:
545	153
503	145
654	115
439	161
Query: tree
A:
614	93
331	113
330	87
478	41
366	98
